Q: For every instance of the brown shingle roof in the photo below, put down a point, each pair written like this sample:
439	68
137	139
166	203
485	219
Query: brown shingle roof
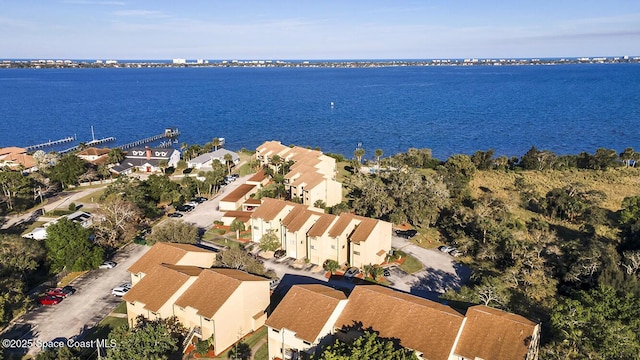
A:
239	193
269	209
155	289
301	219
258	177
92	151
322	225
305	310
363	230
494	334
419	324
297	210
213	288
162	253
341	224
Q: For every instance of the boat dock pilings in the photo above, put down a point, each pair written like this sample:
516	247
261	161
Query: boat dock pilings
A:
168	133
50	143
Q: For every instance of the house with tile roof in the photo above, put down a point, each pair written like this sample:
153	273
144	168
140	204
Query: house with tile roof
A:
306	233
94	155
172	254
234	200
310	178
16	158
222	305
433	330
296	326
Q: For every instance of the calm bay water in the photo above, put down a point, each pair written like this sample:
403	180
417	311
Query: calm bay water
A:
566	108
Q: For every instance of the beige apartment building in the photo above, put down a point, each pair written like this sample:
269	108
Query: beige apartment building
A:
306	233
222	305
312	176
309	316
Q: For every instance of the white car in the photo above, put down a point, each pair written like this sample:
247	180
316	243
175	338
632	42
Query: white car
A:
108	265
121	290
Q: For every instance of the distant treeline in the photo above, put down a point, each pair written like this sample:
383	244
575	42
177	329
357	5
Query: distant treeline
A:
533	159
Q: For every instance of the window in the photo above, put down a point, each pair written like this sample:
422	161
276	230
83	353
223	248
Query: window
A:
333	247
255	227
356	253
306	342
313	247
207	319
276	331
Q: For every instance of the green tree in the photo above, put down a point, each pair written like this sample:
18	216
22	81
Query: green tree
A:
598	324
15	187
216	143
378	154
368	346
358	154
228	160
236	258
115	156
457	172
148	339
68	170
61	353
174	231
628	156
331	265
240	350
237	226
269	241
68	247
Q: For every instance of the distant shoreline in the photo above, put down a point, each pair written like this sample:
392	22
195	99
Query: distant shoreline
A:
182	63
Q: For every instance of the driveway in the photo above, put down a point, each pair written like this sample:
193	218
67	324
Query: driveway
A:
91	303
440	273
204	214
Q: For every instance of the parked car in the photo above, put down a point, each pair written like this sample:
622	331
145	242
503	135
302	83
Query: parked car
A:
407	234
108	265
455	252
387	272
445	249
185	208
60	292
351	272
200	199
121	290
279	253
192	203
235	176
274	284
50	300
175	215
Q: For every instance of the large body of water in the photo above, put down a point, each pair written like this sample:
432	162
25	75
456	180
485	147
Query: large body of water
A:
564	108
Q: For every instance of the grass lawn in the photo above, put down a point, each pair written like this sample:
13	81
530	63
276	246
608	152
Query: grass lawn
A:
250	340
91	198
262	353
213	237
121	309
70	277
410	264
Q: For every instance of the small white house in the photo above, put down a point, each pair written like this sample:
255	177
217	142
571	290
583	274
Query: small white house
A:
206	160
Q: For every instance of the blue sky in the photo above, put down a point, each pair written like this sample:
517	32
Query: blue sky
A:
321	29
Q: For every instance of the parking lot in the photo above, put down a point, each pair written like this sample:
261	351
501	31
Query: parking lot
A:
91	303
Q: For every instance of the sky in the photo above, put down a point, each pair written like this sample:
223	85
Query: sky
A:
315	30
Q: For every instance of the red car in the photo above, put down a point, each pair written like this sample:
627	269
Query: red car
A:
50	300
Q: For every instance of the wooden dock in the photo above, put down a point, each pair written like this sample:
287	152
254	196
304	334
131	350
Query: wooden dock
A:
168	134
89	143
50	143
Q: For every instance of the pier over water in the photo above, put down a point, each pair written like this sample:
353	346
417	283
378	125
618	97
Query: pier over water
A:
50	143
169	133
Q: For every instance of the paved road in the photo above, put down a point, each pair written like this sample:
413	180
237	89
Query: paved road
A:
91	303
440	273
61	201
204	214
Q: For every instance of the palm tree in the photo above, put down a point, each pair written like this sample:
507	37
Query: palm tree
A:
216	143
378	153
228	160
237	226
359	153
276	160
115	156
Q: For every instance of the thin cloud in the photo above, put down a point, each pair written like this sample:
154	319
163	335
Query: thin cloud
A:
92	2
141	13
